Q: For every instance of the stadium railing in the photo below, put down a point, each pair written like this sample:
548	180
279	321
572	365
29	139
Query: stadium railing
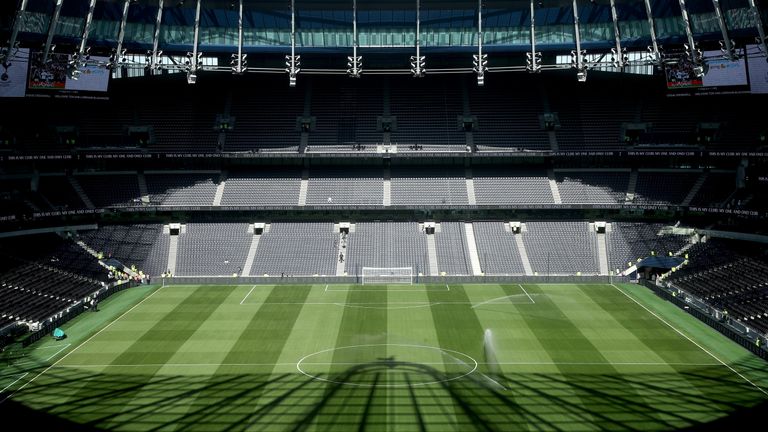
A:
731	328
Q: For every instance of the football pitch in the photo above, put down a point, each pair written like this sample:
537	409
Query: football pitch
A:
375	357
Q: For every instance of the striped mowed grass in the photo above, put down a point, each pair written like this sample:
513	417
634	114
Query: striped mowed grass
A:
377	357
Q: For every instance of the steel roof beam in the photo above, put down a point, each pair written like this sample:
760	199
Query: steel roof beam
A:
154	60
52	30
619	60
727	44
693	52
761	40
5	54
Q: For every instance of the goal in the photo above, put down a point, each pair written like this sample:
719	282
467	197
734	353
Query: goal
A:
387	275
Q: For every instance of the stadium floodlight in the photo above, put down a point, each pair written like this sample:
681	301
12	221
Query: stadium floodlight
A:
619	60
418	66
533	62
354	66
533	58
696	58
480	66
292	67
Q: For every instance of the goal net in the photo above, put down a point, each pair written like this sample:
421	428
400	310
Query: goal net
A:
387	275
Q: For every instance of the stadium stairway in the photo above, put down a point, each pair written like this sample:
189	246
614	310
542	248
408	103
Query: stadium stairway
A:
304	187
387	188
143	190
432	255
80	192
251	255
220	188
341	252
523	255
173	250
553	187
553	141
474	258
696	188
470	187
602	254
632	187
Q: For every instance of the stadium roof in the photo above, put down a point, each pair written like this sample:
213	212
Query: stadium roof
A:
415	27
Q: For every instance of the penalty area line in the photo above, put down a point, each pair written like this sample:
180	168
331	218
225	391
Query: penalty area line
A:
526	293
249	293
79	346
691	340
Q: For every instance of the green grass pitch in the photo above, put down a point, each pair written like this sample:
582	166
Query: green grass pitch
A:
398	357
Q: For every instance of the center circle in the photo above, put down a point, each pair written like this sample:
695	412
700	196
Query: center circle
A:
386	365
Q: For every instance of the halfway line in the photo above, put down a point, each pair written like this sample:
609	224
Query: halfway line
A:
359	363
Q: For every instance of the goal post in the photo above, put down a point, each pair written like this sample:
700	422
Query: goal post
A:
387	275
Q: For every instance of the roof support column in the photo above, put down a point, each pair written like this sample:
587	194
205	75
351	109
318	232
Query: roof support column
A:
726	44
653	50
154	55
292	61
480	60
52	30
118	55
239	62
533	58
193	58
694	54
619	54
354	62
10	51
577	57
761	39
80	59
418	62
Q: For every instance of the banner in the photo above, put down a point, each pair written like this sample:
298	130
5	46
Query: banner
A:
13	74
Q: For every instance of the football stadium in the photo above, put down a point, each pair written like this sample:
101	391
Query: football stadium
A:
361	215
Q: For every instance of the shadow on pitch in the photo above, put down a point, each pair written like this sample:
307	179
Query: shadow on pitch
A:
387	392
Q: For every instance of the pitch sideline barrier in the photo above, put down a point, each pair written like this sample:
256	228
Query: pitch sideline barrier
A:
350	280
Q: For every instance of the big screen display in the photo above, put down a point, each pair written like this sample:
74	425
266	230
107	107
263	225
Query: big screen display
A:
13	74
53	75
719	73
